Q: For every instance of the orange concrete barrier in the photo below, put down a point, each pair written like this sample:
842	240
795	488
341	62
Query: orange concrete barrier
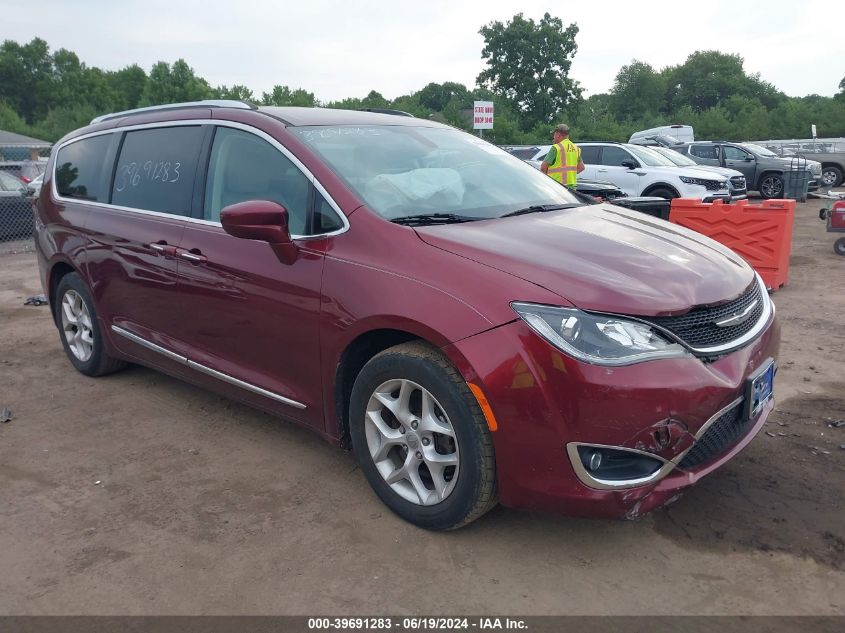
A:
760	233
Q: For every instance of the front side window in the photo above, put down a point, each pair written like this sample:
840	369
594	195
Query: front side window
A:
613	156
80	169
401	171
732	153
245	167
590	154
156	169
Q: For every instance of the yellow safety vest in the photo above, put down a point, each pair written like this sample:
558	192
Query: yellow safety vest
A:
566	163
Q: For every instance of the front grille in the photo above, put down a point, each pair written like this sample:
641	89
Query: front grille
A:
738	184
698	329
726	431
712	185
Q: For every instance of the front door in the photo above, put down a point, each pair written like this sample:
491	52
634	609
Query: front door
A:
247	315
739	159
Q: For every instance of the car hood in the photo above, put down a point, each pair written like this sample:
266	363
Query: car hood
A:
601	257
724	171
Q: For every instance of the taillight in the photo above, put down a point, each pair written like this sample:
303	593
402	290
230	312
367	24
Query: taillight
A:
25	180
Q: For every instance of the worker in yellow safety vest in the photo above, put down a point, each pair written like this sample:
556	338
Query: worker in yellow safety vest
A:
563	162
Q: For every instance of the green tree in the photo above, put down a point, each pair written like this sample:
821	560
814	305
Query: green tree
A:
638	91
436	96
26	77
128	85
236	93
174	84
284	96
528	64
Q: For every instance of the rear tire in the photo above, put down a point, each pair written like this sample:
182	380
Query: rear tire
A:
421	438
839	246
79	329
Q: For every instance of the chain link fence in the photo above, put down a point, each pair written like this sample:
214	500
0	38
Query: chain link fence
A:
16	221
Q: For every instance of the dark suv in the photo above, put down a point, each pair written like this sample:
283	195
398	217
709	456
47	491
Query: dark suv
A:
763	169
473	330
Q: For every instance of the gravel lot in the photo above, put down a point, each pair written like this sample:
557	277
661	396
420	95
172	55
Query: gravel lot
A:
139	494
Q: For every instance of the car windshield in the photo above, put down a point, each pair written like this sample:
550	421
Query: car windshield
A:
402	171
678	159
760	151
649	157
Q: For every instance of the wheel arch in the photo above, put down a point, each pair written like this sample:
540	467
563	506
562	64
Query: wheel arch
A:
58	271
352	360
768	172
661	185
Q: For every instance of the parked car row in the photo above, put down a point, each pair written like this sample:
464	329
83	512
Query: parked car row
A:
15	208
408	290
830	153
24	170
642	171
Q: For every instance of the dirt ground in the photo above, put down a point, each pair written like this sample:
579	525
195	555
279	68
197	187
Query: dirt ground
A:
138	494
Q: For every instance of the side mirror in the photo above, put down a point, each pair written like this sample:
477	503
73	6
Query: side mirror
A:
749	159
261	220
630	164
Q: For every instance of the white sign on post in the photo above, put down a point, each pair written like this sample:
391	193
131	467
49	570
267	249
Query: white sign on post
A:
813	128
482	117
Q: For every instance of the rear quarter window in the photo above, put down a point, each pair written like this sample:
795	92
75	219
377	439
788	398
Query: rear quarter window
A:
156	169
80	169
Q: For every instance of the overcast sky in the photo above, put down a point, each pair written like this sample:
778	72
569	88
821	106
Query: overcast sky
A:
346	49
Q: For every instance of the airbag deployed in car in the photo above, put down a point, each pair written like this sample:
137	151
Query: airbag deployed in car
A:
435	186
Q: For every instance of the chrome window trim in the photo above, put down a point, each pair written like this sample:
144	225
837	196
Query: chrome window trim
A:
668	465
204	369
192	122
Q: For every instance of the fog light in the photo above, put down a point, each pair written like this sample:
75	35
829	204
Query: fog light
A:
617	465
595	460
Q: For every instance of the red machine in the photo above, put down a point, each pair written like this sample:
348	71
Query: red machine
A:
835	216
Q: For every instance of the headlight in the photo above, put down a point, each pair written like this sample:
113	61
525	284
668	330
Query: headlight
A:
595	338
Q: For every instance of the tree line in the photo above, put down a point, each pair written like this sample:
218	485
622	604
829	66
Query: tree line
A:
527	75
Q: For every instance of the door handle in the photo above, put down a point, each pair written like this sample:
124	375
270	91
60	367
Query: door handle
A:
163	248
194	258
601	171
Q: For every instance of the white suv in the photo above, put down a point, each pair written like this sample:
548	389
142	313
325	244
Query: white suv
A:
639	171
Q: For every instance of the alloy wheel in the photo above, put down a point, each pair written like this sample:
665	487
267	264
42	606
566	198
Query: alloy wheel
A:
772	187
412	442
76	326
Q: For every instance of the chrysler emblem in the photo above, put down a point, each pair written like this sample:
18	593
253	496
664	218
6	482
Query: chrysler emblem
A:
737	317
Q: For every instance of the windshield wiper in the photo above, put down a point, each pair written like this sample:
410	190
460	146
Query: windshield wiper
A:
542	208
433	218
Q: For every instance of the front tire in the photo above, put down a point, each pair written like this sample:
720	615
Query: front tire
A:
79	329
662	192
839	246
421	438
771	187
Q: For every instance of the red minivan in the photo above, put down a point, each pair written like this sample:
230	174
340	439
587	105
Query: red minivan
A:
475	332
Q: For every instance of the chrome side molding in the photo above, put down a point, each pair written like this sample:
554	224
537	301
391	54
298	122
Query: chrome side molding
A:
205	370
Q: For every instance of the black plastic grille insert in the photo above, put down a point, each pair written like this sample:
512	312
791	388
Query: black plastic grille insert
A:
724	433
698	329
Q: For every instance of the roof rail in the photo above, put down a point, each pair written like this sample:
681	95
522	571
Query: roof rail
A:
387	111
207	103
